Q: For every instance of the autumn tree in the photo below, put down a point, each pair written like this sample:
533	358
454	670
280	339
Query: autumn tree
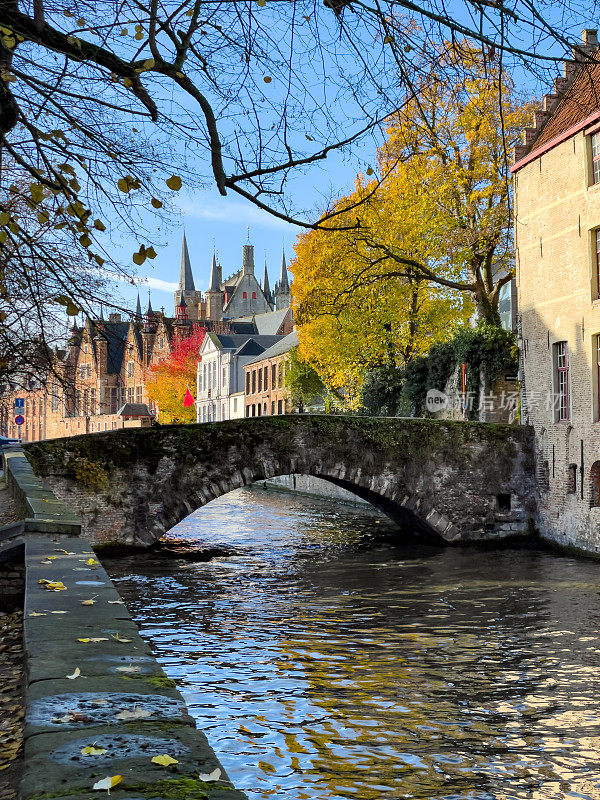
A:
170	379
443	217
348	326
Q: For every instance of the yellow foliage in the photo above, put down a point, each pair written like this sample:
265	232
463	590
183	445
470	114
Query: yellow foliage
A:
424	243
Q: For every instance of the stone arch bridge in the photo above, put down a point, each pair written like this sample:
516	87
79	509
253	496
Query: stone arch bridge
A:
450	481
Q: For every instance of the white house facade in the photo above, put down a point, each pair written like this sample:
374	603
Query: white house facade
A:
220	374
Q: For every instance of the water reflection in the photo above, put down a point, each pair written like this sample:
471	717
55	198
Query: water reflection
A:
323	662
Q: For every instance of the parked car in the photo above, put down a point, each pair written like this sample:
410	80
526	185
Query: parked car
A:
4	440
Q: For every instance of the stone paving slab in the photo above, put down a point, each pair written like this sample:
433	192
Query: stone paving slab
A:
57	758
51	666
64	704
181	792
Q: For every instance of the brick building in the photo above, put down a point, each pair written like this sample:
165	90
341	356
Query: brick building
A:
557	233
265	391
104	368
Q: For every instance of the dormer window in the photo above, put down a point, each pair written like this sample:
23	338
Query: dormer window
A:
245	295
595	158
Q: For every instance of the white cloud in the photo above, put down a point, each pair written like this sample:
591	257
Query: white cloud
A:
161	286
223	210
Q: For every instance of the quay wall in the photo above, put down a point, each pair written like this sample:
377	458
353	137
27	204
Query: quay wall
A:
91	679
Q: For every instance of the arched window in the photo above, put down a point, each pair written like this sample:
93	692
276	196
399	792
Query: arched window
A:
595	484
572	479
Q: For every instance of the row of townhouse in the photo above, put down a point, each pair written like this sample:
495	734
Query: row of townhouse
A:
243	376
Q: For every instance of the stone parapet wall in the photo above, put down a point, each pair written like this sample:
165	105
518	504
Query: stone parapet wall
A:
447	481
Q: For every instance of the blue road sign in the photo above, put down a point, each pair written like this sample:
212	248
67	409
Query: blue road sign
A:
19	419
19	402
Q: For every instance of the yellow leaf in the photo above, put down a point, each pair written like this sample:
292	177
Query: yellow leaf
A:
119	638
91	750
174	183
123	185
108	783
151	252
149	63
156	202
89	602
164	760
99	225
75	674
91	561
127	82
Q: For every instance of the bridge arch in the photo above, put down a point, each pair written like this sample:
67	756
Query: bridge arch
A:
439	479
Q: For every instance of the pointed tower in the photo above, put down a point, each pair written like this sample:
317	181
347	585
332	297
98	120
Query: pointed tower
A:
283	295
186	286
148	333
248	260
266	288
138	310
214	295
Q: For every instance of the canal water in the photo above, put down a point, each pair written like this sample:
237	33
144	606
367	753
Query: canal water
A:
327	660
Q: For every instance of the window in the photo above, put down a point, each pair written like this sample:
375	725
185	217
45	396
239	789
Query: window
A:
572	479
260	409
596	158
253	410
253	382
86	401
245	295
214	375
273	408
130	394
93	408
595	485
596	234
235	403
161	342
273	376
224	412
55	398
265	410
280	377
280	406
254	295
203	413
247	411
138	394
248	382
89	370
85	347
562	381
114	399
266	378
260	380
130	368
224	377
204	375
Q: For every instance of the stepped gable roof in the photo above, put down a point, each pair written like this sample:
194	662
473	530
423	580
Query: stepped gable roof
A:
285	344
266	324
581	99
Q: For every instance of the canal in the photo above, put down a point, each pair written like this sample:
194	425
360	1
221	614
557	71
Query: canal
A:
326	660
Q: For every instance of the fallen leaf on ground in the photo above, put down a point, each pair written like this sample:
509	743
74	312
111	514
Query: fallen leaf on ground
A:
73	716
118	638
213	776
65	552
108	783
98	702
116	602
137	713
92	562
36	614
59	612
164	760
76	674
130	668
94	639
53	586
89	602
92	750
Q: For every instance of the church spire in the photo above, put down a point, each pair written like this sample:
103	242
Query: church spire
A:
215	280
149	312
284	284
138	309
265	287
186	279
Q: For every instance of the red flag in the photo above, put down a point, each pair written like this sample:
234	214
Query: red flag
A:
188	400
